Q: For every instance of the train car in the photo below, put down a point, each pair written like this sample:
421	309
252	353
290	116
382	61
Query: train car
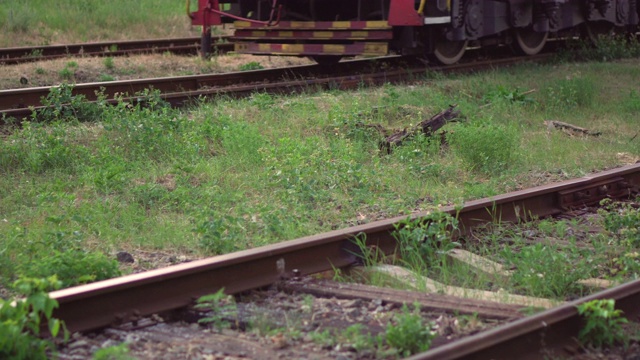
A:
441	30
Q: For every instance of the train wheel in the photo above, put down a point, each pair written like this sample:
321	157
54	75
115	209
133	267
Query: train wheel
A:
448	52
597	29
326	59
529	42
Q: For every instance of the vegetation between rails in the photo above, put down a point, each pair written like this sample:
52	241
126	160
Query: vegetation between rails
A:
406	333
544	258
233	174
602	323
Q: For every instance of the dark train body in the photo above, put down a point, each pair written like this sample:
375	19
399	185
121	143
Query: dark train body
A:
327	30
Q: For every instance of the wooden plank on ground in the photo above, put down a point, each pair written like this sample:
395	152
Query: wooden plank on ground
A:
419	282
572	129
432	302
497	270
480	263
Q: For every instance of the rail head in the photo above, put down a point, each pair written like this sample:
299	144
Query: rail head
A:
116	300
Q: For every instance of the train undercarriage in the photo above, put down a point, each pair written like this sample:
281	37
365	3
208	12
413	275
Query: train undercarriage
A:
441	30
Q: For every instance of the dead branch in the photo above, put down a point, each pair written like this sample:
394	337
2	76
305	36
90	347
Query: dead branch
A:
572	129
427	127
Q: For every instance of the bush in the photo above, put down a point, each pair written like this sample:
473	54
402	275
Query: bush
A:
148	129
72	267
603	323
563	94
20	321
116	352
622	221
425	240
604	48
253	65
219	234
485	148
546	271
37	148
62	104
408	333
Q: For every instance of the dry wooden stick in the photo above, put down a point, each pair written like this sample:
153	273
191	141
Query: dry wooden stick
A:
428	127
565	126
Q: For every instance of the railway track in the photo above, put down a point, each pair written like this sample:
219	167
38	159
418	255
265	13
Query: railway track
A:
131	297
181	46
19	103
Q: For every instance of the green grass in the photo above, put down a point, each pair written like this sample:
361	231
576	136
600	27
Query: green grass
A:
37	22
235	174
545	258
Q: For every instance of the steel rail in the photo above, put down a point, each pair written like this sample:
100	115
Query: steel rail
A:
30	97
547	335
127	298
19	103
190	45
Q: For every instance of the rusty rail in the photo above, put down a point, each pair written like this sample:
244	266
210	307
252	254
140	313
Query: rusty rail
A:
126	298
183	46
179	90
547	335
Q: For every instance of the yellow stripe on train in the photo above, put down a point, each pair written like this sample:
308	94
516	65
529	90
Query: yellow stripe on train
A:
333	49
239	47
264	47
293	48
323	34
302	24
375	49
378	24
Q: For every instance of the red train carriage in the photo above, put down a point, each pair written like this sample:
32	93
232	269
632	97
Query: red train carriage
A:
327	30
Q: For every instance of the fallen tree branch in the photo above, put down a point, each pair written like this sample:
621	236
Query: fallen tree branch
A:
427	127
551	124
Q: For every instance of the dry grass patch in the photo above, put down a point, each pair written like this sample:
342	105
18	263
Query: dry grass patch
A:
94	69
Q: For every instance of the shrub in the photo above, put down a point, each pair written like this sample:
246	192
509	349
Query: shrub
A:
603	323
358	338
485	148
62	104
622	220
502	93
569	93
408	333
219	234
66	73
116	352
37	148
106	77
428	238
148	129
604	48
631	103
253	65
18	20
221	308
109	64
72	267
546	271
20	321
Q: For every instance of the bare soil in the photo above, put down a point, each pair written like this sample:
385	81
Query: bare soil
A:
269	325
95	69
